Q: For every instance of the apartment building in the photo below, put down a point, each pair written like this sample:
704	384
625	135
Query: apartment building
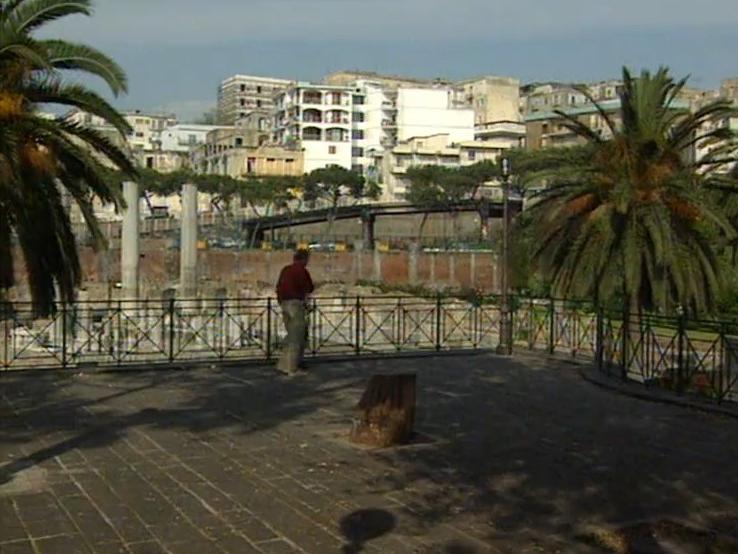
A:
147	128
391	165
240	95
544	97
240	153
492	98
383	116
547	129
317	119
348	78
729	89
78	117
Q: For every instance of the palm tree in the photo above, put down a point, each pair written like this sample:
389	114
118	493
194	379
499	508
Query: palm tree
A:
634	219
45	160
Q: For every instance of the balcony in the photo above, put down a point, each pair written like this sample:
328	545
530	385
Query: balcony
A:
337	116
500	129
312	116
312	133
312	98
336	135
337	99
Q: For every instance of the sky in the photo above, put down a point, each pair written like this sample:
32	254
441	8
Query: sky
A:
176	52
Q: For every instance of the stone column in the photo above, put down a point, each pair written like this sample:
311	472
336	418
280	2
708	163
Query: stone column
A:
367	226
377	265
412	262
473	270
188	242
129	248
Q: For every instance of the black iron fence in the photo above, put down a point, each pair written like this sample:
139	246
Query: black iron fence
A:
687	356
121	333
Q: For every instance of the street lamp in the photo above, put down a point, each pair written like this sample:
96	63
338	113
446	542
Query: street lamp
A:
505	346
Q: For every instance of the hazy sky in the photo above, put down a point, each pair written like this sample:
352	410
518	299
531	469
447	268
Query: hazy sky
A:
177	51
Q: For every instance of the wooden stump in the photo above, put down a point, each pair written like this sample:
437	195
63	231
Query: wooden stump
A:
386	411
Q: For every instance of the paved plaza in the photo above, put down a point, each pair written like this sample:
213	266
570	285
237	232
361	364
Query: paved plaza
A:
515	456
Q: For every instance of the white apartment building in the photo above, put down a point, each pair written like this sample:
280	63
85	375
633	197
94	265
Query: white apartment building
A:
384	115
349	125
183	137
241	94
147	129
318	119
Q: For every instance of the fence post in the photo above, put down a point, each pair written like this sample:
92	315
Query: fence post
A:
119	319
269	329
682	325
531	325
171	330
624	337
438	322
599	339
551	326
64	334
222	339
357	331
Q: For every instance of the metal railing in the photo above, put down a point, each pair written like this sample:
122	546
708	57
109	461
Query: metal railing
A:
125	333
687	356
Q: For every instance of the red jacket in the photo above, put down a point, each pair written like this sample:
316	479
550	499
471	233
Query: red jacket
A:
294	283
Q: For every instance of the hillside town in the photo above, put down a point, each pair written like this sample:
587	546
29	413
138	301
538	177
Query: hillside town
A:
373	124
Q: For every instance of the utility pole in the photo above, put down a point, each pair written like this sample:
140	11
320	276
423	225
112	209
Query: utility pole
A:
505	323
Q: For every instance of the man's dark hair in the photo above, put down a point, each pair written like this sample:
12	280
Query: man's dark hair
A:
301	255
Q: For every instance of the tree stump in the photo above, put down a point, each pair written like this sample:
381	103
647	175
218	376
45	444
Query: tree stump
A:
386	411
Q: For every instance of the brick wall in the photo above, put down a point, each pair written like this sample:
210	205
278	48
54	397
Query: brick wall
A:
234	270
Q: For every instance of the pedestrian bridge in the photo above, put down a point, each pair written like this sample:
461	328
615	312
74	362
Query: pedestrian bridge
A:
255	228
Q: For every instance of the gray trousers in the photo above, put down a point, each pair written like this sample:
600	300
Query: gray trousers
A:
293	313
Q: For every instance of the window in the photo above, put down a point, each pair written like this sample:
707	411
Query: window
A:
331	149
258	103
242	114
243	88
472	155
358	99
139	134
357	134
357	168
250	165
357	152
191	139
258	90
239	141
271	160
357	117
289	160
242	101
150	162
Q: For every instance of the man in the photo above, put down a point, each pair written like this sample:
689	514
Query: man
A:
293	287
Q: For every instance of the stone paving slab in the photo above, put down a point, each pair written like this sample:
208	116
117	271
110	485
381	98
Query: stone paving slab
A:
522	455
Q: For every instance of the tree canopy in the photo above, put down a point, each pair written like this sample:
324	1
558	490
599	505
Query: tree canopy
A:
632	215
